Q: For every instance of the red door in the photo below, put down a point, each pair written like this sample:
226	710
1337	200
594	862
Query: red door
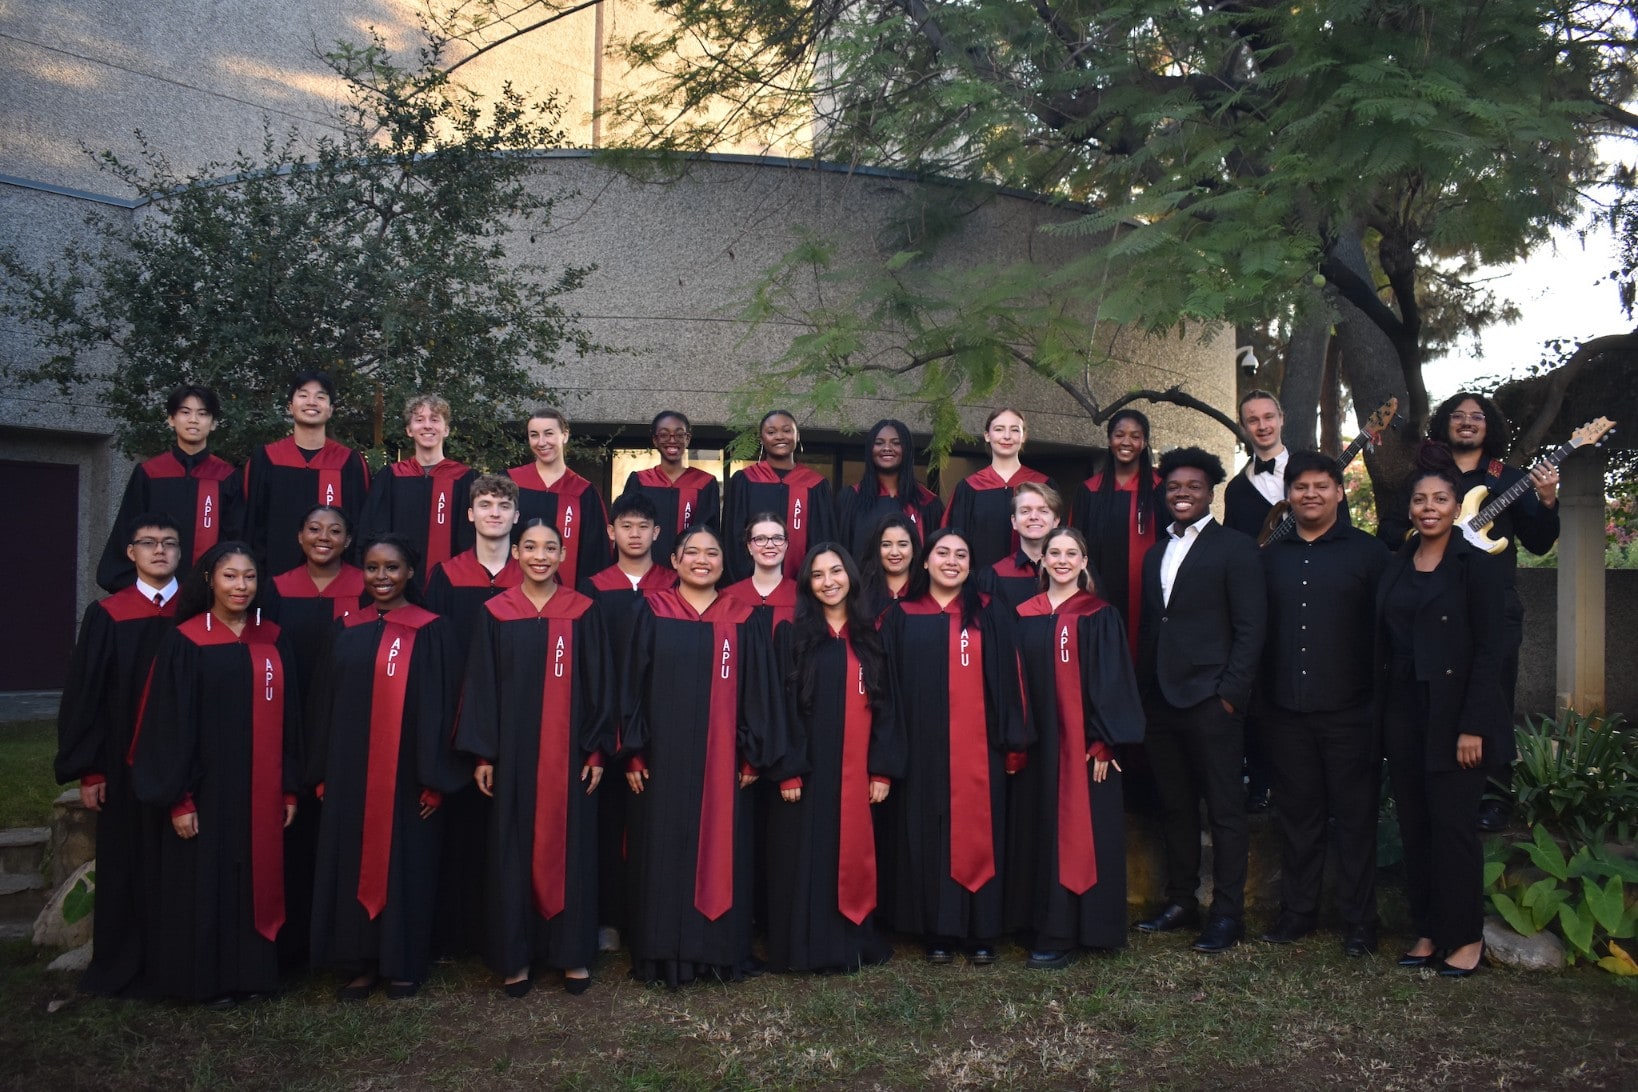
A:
38	553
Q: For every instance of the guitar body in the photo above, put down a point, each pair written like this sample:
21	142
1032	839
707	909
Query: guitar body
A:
1271	522
1478	536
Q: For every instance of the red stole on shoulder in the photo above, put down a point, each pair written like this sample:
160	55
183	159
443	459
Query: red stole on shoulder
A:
389	688
441	513
799	482
343	592
327	463
714	858
687	487
266	685
856	857
208	475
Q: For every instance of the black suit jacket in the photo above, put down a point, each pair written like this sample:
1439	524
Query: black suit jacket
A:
1206	643
1459	641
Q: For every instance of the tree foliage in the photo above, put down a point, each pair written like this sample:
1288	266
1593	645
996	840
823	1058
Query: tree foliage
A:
377	252
1347	159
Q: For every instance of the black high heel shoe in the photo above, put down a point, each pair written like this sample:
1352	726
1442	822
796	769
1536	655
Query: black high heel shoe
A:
1448	971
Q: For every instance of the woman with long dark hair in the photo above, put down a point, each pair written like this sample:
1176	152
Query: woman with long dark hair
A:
1067	872
682	495
1445	725
888	487
1118	513
962	717
218	748
892	554
383	715
799	495
845	748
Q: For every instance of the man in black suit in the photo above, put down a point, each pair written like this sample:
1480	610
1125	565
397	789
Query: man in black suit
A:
1250	495
1204	617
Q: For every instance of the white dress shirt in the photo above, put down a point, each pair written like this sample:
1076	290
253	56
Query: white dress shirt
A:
149	591
1271	484
1177	548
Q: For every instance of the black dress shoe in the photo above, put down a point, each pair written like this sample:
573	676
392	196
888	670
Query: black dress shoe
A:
1448	971
576	986
1414	962
402	991
1220	934
517	989
981	956
939	954
1288	929
350	993
1046	960
1492	816
219	1004
1172	916
1360	941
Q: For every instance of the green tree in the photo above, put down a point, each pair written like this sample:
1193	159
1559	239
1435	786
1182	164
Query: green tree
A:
377	252
1340	164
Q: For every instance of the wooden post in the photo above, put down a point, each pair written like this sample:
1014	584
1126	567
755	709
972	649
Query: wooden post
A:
1581	604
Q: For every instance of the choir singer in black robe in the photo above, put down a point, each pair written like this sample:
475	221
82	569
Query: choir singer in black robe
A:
981	506
383	718
1067	870
846	747
888	488
964	729
799	495
217	748
703	716
535	714
101	701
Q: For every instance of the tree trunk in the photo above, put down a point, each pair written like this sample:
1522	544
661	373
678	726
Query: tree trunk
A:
1304	374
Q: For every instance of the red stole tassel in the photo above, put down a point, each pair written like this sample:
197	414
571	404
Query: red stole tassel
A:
972	837
714	861
1077	861
856	864
549	861
388	690
207	516
267	789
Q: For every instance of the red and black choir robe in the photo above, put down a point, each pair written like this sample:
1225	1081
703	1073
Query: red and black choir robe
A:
219	737
425	504
538	705
821	860
202	493
695	498
777	606
800	496
982	508
616	599
458	590
575	507
383	724
960	708
283	482
102	697
1012	580
701	701
857	516
1066	875
1119	527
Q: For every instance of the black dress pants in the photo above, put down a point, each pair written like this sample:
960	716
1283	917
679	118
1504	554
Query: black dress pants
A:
1197	753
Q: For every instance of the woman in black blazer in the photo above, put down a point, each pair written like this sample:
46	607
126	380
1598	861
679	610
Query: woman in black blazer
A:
1444	720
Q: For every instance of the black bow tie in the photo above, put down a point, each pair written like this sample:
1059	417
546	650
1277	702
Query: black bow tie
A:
1262	466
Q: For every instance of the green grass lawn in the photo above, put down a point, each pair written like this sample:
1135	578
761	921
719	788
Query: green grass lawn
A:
27	786
1154	1016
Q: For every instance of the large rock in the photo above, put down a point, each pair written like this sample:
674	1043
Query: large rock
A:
51	929
1505	948
76	960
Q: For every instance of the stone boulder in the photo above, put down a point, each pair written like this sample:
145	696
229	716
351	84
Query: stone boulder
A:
1505	948
51	929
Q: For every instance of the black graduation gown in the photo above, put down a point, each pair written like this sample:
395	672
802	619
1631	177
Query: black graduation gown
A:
458	588
427	505
101	702
857	516
835	751
575	507
306	613
347	735
202	493
925	647
1082	695
616	601
693	499
1119	527
981	507
220	732
533	672
770	610
1013	580
282	484
686	675
800	495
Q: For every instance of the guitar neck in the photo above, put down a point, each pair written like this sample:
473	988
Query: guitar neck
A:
1498	504
1349	454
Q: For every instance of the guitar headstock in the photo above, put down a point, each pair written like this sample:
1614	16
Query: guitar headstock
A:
1381	418
1591	433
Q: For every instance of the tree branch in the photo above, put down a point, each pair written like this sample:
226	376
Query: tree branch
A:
1557	386
1176	396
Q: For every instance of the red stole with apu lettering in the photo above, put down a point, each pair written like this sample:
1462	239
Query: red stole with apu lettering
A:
389	691
799	483
326	463
687	487
856	849
570	493
441	514
208	474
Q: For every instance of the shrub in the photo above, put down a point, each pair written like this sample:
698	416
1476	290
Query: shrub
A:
1577	775
1589	898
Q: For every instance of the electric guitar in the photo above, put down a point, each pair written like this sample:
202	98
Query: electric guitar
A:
1478	514
1281	521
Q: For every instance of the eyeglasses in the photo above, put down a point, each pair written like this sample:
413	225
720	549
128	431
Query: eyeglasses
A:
166	544
1459	417
666	436
767	540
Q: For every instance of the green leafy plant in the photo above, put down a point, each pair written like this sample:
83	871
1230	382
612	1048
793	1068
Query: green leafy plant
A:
1577	775
1589	898
81	898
